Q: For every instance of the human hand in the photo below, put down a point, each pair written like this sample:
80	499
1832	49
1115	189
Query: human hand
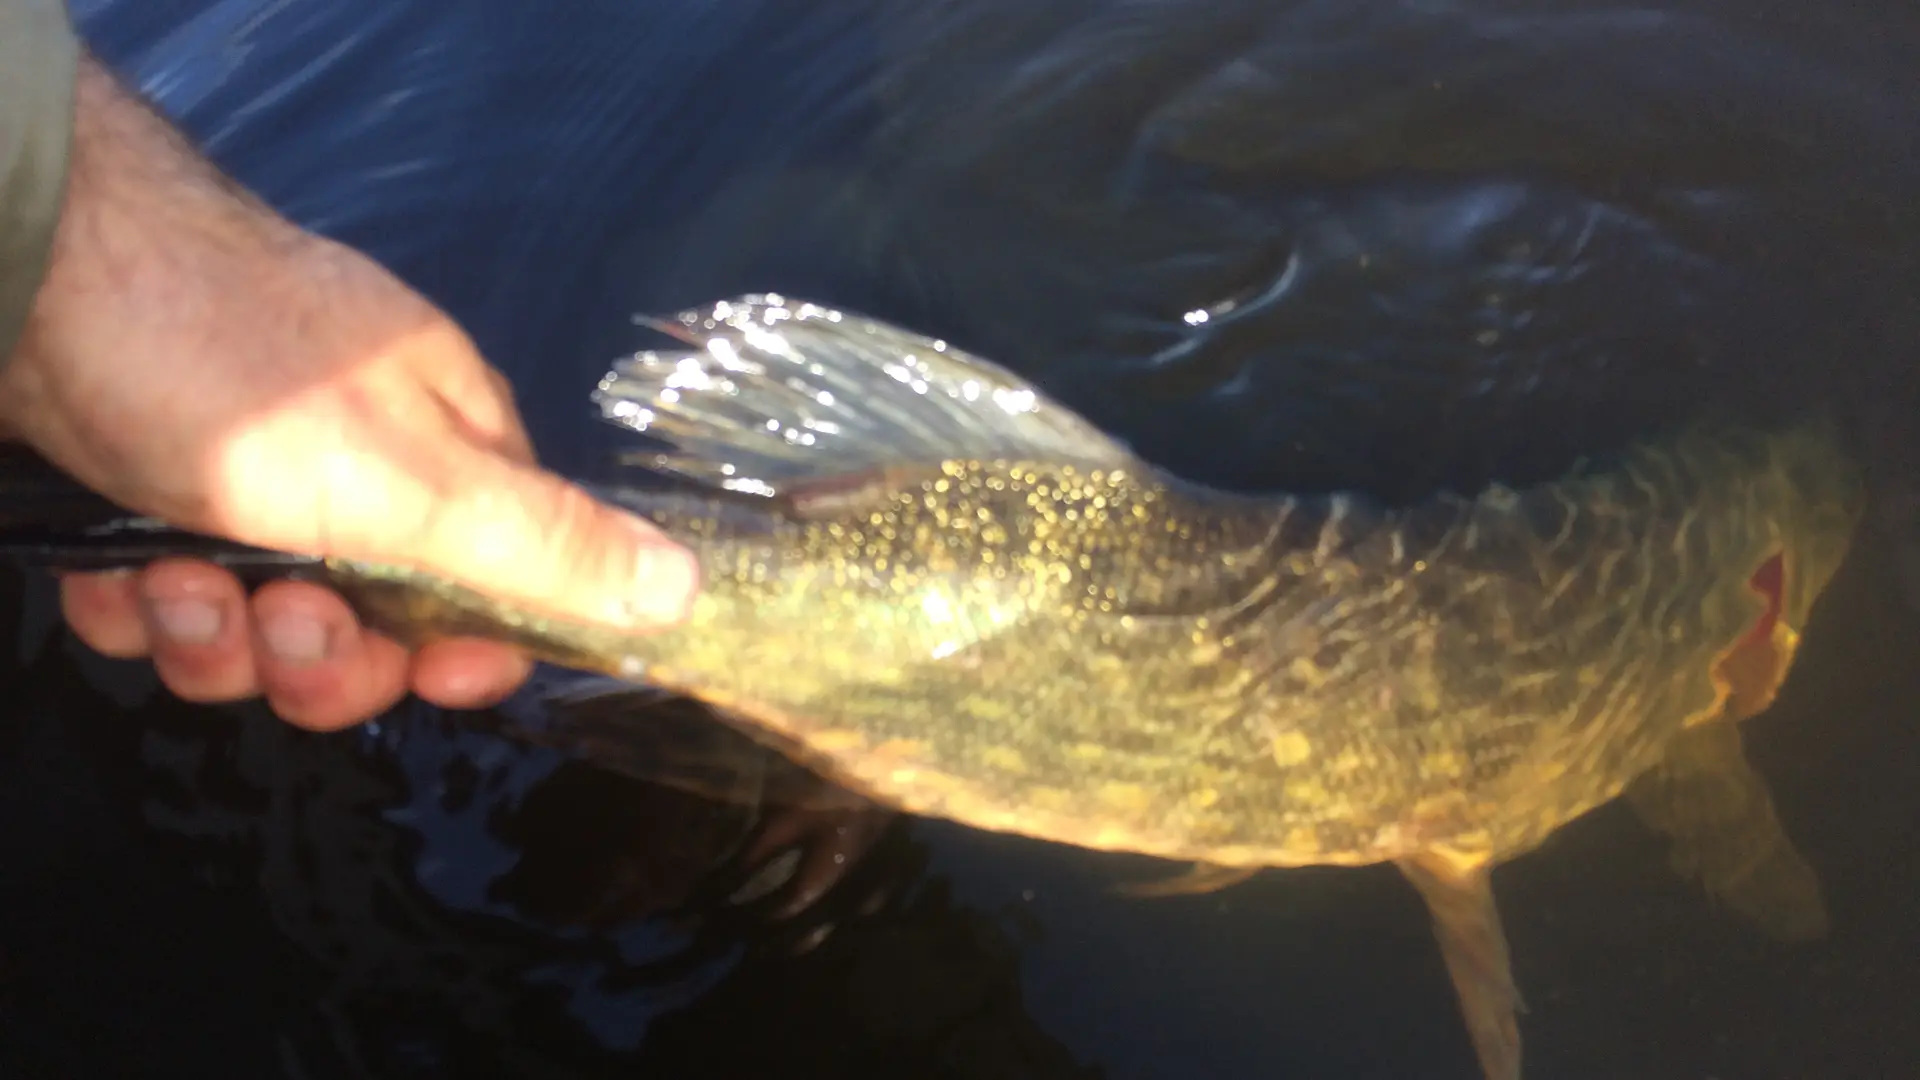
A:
195	357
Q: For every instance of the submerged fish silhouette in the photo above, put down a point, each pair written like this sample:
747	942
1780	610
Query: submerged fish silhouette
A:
936	586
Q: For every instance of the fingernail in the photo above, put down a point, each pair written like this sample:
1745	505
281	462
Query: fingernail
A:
186	622
295	639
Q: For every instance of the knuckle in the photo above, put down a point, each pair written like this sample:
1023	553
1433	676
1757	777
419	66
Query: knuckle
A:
528	535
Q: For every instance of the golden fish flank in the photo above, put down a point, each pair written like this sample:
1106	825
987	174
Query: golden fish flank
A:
909	543
1004	758
1291	748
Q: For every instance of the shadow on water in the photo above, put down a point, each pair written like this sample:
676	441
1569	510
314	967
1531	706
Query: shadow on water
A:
1435	244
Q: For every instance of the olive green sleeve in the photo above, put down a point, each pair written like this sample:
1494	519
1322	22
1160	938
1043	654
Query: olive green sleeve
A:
39	54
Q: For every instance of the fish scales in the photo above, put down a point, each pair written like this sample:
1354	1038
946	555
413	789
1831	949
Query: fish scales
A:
1109	657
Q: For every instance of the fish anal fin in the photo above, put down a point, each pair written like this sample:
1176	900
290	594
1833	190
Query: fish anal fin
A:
1458	890
1720	822
1203	878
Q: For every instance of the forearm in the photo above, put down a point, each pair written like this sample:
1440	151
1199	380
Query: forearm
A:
149	234
38	58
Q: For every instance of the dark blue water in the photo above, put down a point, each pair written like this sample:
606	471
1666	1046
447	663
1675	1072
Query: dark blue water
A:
1445	243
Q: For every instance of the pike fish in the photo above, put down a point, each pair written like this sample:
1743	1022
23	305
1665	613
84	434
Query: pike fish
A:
940	588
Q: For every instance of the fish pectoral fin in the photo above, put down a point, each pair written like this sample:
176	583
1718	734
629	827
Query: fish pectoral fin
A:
770	395
1203	878
1466	921
1719	819
670	741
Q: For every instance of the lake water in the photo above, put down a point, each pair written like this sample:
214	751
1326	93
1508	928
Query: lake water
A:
1442	244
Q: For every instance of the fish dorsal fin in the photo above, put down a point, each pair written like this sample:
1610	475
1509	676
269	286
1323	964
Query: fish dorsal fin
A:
771	393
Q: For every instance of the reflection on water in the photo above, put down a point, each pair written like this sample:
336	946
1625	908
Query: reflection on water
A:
455	901
1432	244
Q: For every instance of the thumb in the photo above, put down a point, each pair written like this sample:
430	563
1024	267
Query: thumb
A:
522	535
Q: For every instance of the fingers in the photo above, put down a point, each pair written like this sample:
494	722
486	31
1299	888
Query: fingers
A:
297	644
104	612
318	668
196	624
468	674
523	534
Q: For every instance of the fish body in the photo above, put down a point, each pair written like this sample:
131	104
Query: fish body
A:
1072	644
934	585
